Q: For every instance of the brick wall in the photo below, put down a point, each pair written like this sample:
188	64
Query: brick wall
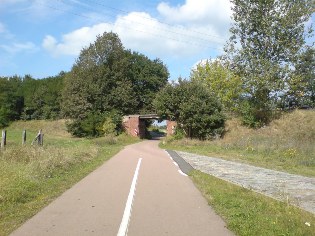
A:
131	125
135	126
170	127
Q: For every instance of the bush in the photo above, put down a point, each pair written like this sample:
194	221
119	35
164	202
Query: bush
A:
255	116
96	124
116	118
247	115
91	126
179	134
197	111
108	126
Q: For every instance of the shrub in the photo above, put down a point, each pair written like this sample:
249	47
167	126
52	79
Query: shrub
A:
255	116
108	126
96	124
198	113
91	126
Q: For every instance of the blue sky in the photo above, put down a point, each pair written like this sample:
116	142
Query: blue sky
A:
44	37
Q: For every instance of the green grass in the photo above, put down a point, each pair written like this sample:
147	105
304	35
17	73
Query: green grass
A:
31	177
250	213
287	144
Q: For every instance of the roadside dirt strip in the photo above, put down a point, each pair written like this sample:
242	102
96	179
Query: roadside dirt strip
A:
138	192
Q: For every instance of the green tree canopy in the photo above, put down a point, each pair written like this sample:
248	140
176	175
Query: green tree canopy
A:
28	98
147	77
267	38
195	109
220	81
11	99
303	82
107	77
42	97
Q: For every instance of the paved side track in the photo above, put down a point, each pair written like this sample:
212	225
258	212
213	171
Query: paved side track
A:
296	189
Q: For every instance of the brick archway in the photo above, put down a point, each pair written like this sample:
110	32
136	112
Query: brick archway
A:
135	124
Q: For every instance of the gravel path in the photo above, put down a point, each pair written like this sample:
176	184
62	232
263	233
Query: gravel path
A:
296	189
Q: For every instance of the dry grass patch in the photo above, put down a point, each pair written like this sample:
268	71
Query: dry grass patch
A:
53	127
287	144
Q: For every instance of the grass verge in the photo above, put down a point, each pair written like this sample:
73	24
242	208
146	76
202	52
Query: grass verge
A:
250	213
31	177
287	144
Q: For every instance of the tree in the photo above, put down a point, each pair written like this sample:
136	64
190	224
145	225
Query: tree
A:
42	97
302	86
4	117
220	81
267	37
11	102
107	77
28	98
29	87
148	77
92	78
167	102
198	113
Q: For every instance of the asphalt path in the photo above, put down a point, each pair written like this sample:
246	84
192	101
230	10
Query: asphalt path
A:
140	191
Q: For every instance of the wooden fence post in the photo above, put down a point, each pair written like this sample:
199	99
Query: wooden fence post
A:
3	138
39	138
23	137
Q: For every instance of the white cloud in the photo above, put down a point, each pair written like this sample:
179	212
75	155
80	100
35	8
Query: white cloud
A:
203	62
10	45
151	37
5	34
73	42
45	9
11	1
140	32
137	30
49	43
34	9
215	14
2	28
15	48
192	28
